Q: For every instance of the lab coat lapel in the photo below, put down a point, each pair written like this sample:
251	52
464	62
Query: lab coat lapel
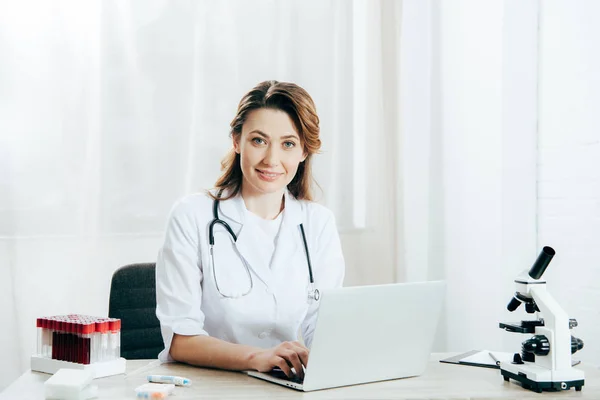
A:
249	237
232	212
290	238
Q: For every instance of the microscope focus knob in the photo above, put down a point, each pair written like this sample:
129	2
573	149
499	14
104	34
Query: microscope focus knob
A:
576	344
538	345
517	359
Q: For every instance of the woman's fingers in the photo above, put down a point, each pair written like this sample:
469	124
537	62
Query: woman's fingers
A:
283	365
294	360
302	352
289	355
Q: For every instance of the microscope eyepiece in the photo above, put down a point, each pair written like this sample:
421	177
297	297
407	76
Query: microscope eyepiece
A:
540	265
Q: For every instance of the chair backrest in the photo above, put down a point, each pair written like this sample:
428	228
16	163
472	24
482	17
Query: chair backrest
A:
133	300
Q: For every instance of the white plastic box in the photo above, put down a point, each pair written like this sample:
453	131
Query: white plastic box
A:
70	384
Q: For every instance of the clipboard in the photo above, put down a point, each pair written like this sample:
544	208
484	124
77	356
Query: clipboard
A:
474	358
484	358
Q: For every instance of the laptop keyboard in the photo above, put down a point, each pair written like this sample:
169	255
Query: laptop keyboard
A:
277	373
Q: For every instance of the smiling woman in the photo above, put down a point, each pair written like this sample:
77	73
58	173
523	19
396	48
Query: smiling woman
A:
110	111
274	113
270	152
241	267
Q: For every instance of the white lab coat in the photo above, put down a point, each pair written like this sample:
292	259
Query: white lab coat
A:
188	302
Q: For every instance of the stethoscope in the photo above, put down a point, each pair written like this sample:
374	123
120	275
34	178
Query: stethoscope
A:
313	294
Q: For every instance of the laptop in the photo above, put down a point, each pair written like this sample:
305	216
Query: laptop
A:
369	333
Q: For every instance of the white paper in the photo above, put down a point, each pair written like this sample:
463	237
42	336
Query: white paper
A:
484	357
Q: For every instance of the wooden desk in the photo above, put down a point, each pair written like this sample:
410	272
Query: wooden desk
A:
440	381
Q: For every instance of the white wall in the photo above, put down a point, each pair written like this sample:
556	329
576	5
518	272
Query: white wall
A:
10	353
483	170
515	100
569	161
470	136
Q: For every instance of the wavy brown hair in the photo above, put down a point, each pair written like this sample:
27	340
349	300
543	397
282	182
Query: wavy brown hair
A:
299	106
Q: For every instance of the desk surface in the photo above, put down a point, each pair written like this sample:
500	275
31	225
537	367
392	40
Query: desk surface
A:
440	381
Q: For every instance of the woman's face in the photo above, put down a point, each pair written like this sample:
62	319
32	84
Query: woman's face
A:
270	151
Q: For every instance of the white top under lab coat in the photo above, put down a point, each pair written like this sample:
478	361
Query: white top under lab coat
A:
187	300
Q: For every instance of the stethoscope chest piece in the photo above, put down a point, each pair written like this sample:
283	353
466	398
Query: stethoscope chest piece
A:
317	295
313	294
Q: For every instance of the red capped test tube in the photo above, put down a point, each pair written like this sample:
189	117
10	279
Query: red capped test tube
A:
88	329
40	336
79	338
114	338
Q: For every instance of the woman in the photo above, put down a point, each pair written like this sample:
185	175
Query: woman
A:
241	304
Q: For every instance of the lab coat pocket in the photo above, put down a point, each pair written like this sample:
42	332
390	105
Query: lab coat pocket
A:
230	272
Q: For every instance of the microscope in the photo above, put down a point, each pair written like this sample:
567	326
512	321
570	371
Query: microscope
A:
545	359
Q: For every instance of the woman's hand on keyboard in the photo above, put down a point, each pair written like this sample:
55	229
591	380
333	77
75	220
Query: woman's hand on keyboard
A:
285	356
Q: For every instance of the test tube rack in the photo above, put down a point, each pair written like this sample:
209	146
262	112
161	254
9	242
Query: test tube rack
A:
79	342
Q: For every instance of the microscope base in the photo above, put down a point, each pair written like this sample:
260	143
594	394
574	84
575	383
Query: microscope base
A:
541	386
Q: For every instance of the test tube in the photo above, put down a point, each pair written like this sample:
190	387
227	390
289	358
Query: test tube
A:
44	336
75	351
95	340
68	340
62	339
54	350
117	337
118	351
100	337
112	345
79	346
104	332
40	336
114	338
50	323
64	345
59	339
47	338
78	352
88	332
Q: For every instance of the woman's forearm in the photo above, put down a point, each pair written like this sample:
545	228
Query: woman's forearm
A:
207	351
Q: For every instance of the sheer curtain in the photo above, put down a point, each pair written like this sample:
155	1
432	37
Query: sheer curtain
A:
469	130
111	110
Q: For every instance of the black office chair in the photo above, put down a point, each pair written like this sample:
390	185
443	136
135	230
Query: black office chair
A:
133	300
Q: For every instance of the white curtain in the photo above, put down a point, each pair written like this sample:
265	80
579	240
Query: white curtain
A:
469	112
569	162
111	110
499	158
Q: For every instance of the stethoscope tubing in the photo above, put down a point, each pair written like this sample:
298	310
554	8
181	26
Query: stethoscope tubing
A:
313	293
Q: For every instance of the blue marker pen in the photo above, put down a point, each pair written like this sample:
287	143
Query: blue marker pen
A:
176	380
